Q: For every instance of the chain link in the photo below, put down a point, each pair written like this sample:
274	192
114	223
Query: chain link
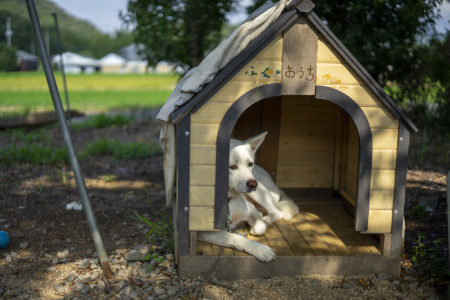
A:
212	276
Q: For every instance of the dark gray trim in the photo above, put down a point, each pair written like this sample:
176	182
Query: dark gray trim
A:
244	267
183	130
273	90
223	145
288	17
365	150
282	23
399	191
360	70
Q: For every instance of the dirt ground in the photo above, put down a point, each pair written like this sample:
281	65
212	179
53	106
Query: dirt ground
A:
52	256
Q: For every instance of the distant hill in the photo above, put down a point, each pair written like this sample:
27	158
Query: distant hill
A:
45	9
77	35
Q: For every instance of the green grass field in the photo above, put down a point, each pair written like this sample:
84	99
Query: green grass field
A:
24	92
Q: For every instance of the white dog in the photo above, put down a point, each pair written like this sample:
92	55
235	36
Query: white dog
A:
249	184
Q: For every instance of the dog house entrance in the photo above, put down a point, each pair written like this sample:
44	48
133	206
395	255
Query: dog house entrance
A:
311	152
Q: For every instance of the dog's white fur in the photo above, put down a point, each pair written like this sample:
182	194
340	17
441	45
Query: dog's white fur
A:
249	180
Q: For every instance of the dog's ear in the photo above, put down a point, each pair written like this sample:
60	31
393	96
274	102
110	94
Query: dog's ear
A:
256	141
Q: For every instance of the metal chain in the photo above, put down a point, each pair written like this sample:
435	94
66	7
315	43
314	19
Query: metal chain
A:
212	276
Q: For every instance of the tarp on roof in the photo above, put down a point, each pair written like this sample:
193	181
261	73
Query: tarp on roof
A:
198	77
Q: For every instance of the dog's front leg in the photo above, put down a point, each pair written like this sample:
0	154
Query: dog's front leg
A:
264	198
238	242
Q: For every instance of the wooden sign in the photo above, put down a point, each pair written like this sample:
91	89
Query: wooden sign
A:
299	68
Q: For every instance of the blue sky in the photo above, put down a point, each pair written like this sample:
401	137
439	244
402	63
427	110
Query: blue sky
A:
104	14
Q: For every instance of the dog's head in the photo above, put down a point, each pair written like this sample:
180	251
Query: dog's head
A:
242	160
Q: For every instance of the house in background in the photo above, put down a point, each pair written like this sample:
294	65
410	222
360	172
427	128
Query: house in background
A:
113	63
134	55
27	61
130	60
76	64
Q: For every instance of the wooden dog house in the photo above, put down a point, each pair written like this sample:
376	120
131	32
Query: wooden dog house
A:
337	144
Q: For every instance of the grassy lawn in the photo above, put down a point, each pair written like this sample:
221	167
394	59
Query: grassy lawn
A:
22	92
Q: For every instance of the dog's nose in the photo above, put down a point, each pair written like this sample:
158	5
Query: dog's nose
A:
252	184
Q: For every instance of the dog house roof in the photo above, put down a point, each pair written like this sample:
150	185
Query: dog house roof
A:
288	17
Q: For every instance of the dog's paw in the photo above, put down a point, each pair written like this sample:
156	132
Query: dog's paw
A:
264	253
288	213
259	228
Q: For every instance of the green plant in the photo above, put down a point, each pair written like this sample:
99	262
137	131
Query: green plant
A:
33	154
121	151
429	257
160	231
102	121
153	258
110	178
128	195
419	247
417	211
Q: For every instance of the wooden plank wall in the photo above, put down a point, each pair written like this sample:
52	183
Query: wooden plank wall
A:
333	72
306	146
263	69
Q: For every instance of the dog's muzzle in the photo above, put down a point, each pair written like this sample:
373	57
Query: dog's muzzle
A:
251	185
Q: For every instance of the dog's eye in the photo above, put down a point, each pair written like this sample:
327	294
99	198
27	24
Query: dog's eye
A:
250	164
233	167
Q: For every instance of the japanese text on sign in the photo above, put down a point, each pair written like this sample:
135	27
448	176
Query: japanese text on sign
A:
299	73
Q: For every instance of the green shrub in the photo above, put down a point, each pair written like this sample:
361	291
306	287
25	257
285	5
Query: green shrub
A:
8	58
32	154
102	121
121	151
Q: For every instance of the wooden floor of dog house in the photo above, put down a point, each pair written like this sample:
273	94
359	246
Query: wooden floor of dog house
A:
322	228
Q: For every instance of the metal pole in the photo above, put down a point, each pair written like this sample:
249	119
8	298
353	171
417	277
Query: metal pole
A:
67	140
58	38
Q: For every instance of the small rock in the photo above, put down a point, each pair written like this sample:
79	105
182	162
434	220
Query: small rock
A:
396	282
8	258
348	285
163	297
23	245
169	256
120	285
234	285
127	291
71	277
382	277
85	290
51	269
60	289
409	278
139	253
95	275
315	283
49	256
101	285
13	254
171	291
160	291
79	285
84	264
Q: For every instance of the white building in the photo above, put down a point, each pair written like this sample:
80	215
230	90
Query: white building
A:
75	63
113	63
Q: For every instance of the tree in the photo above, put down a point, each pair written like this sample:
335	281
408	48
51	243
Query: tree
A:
381	34
8	58
177	31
